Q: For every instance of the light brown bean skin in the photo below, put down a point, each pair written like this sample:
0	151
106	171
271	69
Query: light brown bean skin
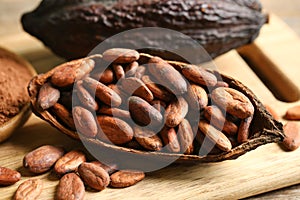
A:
130	69
185	137
175	112
69	162
167	75
29	190
42	159
136	87
217	119
8	176
126	178
233	101
157	90
121	55
199	75
170	140
102	92
292	140
243	132
116	112
197	97
85	122
94	176
70	187
73	70
64	115
293	113
147	139
85	98
215	135
119	71
48	96
143	113
116	130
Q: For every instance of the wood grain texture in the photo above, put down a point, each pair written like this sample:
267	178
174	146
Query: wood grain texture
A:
265	169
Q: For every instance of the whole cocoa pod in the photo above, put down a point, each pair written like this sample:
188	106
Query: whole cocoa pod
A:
92	21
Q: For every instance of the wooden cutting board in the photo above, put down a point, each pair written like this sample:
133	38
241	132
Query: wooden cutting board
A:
264	169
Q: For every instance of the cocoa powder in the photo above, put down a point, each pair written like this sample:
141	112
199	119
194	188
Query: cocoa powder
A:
14	77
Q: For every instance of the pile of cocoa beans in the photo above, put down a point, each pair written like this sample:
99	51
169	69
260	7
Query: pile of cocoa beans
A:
139	101
73	170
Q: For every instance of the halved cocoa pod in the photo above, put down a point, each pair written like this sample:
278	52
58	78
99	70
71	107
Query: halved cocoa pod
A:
263	128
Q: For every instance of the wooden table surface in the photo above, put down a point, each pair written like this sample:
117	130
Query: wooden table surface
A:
288	10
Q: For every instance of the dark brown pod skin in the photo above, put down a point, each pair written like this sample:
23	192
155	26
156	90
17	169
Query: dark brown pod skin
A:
54	22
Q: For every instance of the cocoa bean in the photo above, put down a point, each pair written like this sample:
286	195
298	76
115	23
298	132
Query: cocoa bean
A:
140	72
70	187
199	75
85	121
69	162
109	168
115	130
243	132
159	105
42	159
216	117
64	115
73	70
292	133
175	112
235	102
126	178
147	139
143	113
215	135
131	69
115	112
167	76
293	113
170	139
48	96
136	87
197	97
85	98
102	92
8	176
29	190
185	137
105	77
121	56
119	71
158	91
94	176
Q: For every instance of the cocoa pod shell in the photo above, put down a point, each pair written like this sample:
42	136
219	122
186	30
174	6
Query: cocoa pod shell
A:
263	129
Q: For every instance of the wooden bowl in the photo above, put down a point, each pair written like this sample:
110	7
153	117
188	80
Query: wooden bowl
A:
7	129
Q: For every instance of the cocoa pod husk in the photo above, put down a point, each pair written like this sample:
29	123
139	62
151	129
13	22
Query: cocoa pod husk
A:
263	129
